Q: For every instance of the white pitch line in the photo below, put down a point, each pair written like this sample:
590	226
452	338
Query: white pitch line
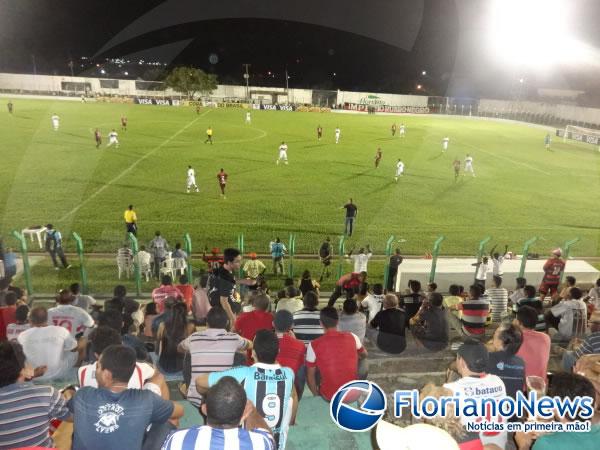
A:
133	165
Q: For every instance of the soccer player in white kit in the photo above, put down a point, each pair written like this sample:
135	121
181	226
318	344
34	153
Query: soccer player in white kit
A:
55	122
399	170
191	180
402	130
282	153
469	165
248	117
338	133
445	142
112	139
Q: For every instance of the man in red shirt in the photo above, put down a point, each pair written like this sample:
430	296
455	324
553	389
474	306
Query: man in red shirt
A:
8	313
347	282
222	179
291	350
535	348
187	290
248	323
214	260
552	269
165	290
338	356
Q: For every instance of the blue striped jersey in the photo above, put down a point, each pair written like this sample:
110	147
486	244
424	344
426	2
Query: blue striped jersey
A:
269	388
25	414
209	438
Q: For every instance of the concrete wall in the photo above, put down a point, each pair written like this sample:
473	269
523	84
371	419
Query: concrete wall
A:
382	99
567	112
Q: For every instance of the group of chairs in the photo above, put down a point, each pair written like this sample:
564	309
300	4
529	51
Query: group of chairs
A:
169	266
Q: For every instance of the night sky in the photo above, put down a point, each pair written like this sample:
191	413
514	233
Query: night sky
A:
445	45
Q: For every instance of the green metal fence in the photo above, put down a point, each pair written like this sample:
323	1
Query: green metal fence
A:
82	271
434	257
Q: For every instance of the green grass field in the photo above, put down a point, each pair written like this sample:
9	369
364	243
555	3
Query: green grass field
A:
521	190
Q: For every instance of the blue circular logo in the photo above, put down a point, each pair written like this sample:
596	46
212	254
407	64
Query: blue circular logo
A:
370	403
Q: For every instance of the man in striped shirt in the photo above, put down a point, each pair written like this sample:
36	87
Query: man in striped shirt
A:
499	299
26	409
590	346
474	312
226	407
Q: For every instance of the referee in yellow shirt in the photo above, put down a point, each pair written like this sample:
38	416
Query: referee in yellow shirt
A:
130	220
209	134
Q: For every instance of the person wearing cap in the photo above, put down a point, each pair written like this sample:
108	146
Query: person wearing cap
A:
590	345
54	246
254	268
553	267
472	361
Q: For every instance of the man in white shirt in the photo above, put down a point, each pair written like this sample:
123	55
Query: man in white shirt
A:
282	153
338	133
399	169
65	315
361	260
497	261
481	273
248	118
569	316
113	139
469	165
80	300
55	122
50	346
471	363
445	142
594	295
373	302
402	130
191	180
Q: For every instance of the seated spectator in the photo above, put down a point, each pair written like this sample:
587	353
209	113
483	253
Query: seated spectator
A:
564	385
351	320
291	350
179	252
51	346
590	345
114	320
226	407
475	311
4	288
519	291
568	316
535	348
291	302
150	314
169	303
388	327
211	350
170	334
451	303
307	283
264	372
65	315
530	299
13	330
114	416
472	361
413	300
430	325
166	289
498	297
26	408
248	323
8	313
503	359
373	303
187	291
593	296
338	356
307	321
200	303
80	300
348	282
431	288
570	282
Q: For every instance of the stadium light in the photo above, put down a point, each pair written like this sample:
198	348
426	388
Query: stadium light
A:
424	72
102	71
419	87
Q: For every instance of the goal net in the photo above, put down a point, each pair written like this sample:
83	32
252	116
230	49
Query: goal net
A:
581	134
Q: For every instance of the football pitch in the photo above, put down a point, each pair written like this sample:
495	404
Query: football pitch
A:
520	190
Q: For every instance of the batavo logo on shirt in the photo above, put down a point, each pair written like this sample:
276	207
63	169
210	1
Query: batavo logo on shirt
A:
108	418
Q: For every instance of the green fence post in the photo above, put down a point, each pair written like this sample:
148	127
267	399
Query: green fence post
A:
434	257
291	252
528	244
187	240
481	249
82	271
388	252
341	253
25	256
568	246
136	263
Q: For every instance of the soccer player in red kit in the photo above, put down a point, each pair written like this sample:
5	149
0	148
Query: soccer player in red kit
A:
393	129
123	123
98	138
378	157
319	132
552	270
222	178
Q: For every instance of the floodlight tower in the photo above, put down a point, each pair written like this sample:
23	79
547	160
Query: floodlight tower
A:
247	78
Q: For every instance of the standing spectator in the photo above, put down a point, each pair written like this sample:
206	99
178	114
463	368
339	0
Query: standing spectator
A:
170	334
65	315
165	290
114	416
80	300
277	250
13	330
590	345
50	346
307	283
159	248
351	213
187	291
337	356
8	313
503	360
395	261
307	321
571	282
482	270
348	282
535	348
519	291
373	303
291	350
211	350
413	300
54	247
474	312
497	261
351	320
200	303
10	263
362	259
130	220
292	302
553	267
498	300
430	324
26	408
325	256
387	328
214	260
529	299
225	409
568	316
254	267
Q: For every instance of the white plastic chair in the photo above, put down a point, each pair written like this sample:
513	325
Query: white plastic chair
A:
179	266
124	265
167	267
